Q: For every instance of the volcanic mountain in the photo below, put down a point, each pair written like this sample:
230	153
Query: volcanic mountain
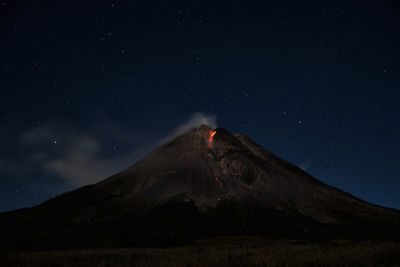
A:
205	182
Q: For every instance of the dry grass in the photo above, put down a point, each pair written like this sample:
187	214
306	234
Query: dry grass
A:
238	251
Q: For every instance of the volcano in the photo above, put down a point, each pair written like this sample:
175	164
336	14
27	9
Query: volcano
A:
205	182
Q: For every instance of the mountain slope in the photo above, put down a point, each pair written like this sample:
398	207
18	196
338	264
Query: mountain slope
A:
203	183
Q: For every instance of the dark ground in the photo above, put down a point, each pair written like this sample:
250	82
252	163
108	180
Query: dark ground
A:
224	251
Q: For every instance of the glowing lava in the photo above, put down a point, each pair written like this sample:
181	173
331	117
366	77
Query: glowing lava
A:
210	138
218	181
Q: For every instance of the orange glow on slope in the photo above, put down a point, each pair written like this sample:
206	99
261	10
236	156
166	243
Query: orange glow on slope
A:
210	138
218	181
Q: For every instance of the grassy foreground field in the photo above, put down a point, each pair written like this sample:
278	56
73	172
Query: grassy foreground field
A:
237	251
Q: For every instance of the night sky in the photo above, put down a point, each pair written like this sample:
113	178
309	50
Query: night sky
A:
89	87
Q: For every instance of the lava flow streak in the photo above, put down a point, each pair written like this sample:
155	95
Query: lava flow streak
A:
210	138
218	181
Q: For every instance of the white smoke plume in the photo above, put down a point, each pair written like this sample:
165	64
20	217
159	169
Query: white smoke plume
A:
195	120
306	165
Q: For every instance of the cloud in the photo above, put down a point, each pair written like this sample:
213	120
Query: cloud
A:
37	135
63	154
81	163
85	158
80	157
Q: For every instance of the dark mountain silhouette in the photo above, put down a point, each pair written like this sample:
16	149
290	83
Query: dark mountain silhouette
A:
201	184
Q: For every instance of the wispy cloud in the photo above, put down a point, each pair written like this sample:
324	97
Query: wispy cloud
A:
37	135
76	157
81	164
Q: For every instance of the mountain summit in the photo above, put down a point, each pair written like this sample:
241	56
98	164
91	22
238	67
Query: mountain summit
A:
208	165
205	182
